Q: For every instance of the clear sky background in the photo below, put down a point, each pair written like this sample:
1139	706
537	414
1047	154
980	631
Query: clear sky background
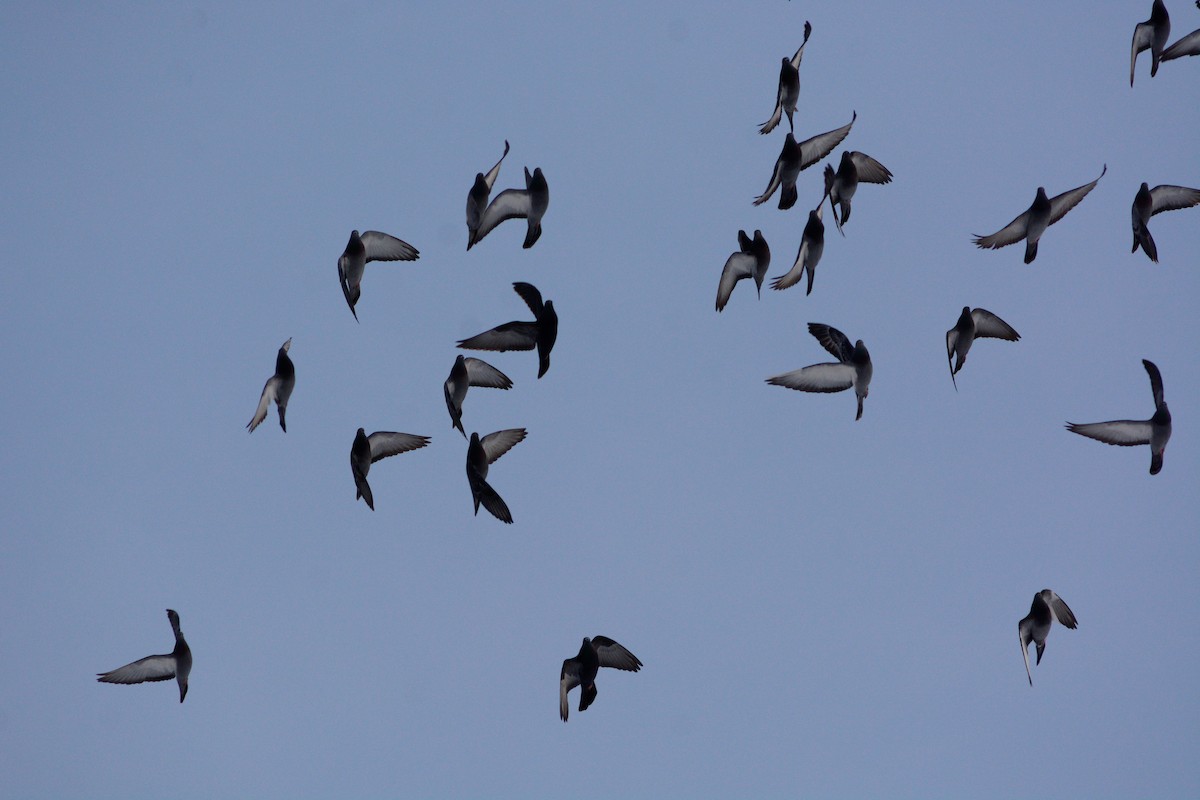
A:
824	607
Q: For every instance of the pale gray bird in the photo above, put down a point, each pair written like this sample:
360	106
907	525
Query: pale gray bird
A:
366	450
1148	202
796	157
1151	35
1033	223
974	324
750	261
278	389
1035	627
1128	432
594	653
812	245
840	186
477	198
363	248
470	372
481	453
1187	46
529	204
177	664
518	335
852	370
789	87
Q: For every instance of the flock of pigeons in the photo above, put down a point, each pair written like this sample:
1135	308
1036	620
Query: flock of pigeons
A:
852	369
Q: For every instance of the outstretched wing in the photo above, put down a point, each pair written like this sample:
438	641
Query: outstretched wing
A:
817	378
1123	432
481	373
568	679
494	172
1156	384
150	668
385	247
1172	198
833	340
509	204
531	296
1011	233
388	443
988	325
502	338
500	442
270	393
614	655
1061	204
1059	609
814	149
870	170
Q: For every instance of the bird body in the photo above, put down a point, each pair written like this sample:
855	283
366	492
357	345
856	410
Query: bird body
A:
366	450
363	248
277	389
581	670
853	368
750	261
1035	626
177	664
1155	431
1032	223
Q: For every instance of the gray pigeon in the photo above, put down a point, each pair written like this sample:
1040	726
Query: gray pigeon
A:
594	653
1148	202
363	248
974	324
366	450
517	335
796	157
1035	627
470	372
1151	35
750	261
1033	223
177	664
812	245
840	186
852	370
278	389
789	87
1128	432
481	453
529	204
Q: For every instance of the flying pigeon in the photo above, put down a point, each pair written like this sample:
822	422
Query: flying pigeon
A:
1033	223
974	324
789	87
366	450
750	261
1148	202
1035	627
796	157
1151	35
528	204
812	245
477	198
852	370
177	664
278	388
470	372
594	653
518	335
840	186
481	453
1128	432
361	249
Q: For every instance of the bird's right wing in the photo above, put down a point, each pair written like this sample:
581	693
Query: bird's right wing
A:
500	442
388	443
870	170
614	655
270	393
1061	204
481	373
817	378
502	338
814	149
988	325
737	266
385	247
1172	198
1143	38
776	177
1023	633
1187	46
1123	432
150	668
833	340
1061	611
1011	233
568	679
509	204
494	172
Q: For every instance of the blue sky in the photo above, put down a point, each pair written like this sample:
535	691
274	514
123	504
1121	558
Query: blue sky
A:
824	607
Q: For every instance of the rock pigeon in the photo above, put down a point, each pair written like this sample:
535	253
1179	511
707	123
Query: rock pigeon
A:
529	204
363	248
840	186
789	87
1127	432
1033	223
470	372
1148	202
278	389
796	157
596	652
1035	627
366	450
750	261
481	453
1151	35
177	664
974	324
517	335
812	245
852	370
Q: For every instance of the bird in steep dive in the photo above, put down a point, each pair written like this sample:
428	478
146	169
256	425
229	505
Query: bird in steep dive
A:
1033	223
1035	627
366	450
1148	202
1128	432
788	92
278	388
481	453
363	248
750	261
529	204
812	245
853	368
477	198
470	372
596	652
518	335
974	324
177	664
840	186
796	157
1151	35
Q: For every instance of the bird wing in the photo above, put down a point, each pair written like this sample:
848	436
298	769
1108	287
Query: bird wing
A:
350	276
494	172
1123	432
990	326
1187	46
737	266
1172	198
270	393
531	296
1156	384
568	679
150	668
385	247
388	443
1060	610
776	177
1061	204
1011	233
817	378
814	149
833	340
1023	632
500	442
1143	38
614	655
951	343
509	204
777	114
870	170
481	373
799	54
502	338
